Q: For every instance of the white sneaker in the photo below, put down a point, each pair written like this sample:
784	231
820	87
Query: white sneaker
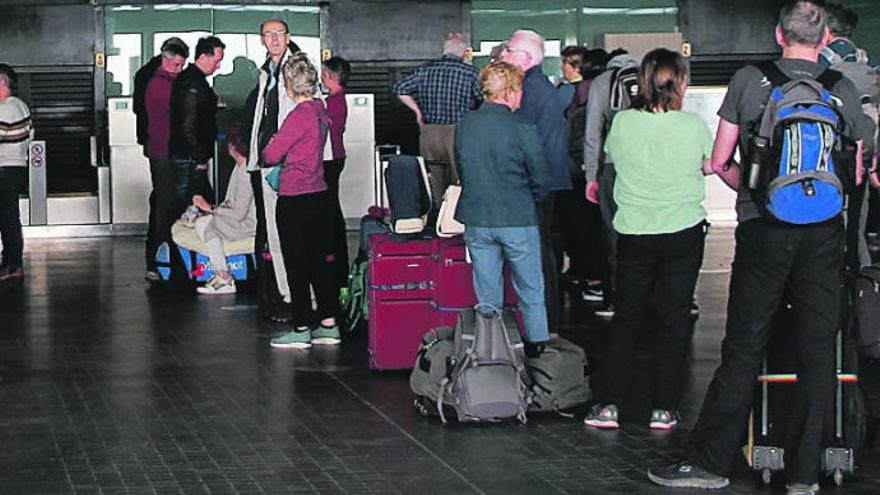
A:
218	285
607	312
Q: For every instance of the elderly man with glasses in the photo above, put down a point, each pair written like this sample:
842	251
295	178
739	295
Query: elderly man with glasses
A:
541	106
270	105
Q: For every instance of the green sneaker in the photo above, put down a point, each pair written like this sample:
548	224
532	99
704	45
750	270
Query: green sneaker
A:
293	340
326	336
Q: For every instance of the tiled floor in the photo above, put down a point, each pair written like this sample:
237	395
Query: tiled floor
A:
111	388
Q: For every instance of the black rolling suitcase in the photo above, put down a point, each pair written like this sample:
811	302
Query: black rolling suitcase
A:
845	425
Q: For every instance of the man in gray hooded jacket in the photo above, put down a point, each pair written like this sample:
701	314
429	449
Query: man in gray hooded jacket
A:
597	167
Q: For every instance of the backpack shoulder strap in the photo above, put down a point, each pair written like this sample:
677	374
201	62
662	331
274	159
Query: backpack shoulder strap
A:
829	78
773	73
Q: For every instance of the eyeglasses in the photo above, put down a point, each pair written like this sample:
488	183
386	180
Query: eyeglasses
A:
274	34
507	48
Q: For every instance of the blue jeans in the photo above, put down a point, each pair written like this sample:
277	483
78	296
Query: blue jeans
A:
520	247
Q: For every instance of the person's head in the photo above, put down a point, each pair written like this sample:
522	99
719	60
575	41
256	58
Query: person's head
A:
662	81
8	78
842	20
209	54
525	49
572	62
802	24
594	63
335	73
454	44
501	82
174	53
300	77
275	35
236	146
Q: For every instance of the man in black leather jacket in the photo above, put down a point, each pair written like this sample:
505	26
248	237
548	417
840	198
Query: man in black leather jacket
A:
193	123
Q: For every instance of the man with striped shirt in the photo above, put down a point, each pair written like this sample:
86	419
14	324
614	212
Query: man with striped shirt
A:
15	130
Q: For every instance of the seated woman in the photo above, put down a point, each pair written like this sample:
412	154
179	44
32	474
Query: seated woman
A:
235	219
503	175
661	155
304	209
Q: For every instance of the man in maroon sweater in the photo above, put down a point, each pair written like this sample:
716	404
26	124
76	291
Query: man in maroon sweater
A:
152	96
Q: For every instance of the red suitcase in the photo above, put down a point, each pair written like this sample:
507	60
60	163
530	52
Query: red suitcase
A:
400	297
454	287
415	286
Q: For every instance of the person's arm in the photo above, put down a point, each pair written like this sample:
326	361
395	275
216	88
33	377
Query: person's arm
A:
285	139
191	124
240	205
404	89
597	102
722	162
536	166
410	102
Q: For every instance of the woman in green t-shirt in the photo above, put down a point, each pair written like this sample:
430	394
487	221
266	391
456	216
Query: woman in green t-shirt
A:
661	155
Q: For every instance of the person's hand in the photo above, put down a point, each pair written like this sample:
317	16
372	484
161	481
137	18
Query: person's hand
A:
201	203
592	192
873	179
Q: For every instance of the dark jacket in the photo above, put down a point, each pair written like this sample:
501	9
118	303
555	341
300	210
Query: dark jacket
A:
501	164
541	106
193	116
407	194
141	80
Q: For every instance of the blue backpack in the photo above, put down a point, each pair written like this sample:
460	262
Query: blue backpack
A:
798	173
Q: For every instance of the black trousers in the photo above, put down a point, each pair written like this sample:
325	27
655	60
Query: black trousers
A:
268	286
12	181
607	209
770	258
548	261
661	268
580	225
161	207
338	235
303	223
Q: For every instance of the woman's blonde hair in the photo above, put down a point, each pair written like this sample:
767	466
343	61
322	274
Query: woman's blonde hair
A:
660	81
300	75
499	78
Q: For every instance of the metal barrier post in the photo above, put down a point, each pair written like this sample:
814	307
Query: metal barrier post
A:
37	199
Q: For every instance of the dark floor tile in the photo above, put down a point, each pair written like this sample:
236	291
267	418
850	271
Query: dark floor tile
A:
110	388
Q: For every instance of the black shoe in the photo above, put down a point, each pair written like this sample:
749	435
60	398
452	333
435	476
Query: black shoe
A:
683	474
280	313
534	349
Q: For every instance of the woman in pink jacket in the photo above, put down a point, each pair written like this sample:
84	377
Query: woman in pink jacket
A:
302	210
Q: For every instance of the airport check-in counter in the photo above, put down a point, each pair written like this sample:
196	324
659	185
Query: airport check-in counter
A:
130	169
720	200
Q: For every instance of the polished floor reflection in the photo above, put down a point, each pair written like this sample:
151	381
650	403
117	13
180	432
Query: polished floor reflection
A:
111	388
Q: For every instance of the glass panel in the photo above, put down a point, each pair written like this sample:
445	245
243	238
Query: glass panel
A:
566	22
237	25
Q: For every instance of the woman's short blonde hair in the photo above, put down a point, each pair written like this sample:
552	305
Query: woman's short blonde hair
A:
499	78
300	75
